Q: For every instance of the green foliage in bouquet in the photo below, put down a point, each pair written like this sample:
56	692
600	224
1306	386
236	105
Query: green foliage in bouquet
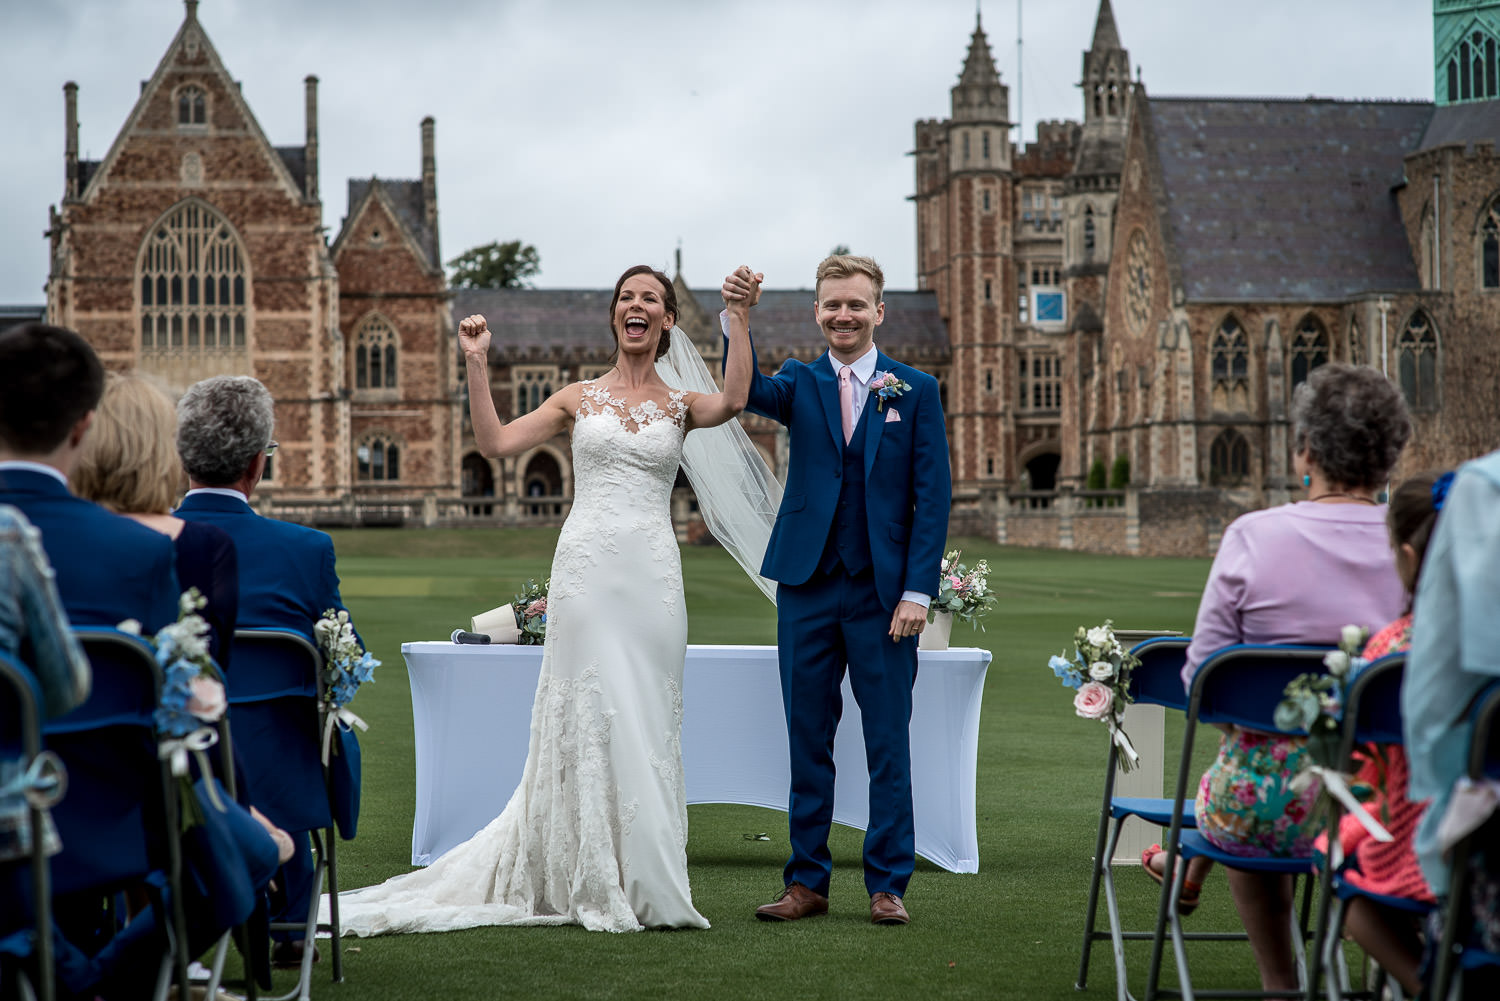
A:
963	592
531	613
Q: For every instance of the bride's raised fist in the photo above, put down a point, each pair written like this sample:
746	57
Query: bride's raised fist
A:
474	334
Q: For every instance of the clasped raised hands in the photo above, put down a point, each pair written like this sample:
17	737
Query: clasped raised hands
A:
742	289
474	336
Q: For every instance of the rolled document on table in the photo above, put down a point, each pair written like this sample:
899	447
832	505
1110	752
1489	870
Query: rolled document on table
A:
499	624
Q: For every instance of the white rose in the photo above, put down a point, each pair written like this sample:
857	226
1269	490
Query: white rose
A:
1101	670
1337	662
1352	636
1099	636
208	701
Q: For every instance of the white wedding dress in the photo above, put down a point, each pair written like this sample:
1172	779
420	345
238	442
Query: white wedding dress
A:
596	834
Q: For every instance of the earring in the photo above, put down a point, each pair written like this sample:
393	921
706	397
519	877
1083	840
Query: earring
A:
1307	479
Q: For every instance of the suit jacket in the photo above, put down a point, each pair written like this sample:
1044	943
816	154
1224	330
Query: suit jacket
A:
109	568
908	485
287	577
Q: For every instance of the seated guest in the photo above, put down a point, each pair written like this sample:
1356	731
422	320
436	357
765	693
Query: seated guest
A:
1295	574
108	567
1390	868
287	577
1455	654
130	466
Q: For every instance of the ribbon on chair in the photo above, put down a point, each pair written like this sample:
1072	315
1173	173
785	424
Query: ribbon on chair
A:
1129	758
176	750
341	717
41	783
1335	786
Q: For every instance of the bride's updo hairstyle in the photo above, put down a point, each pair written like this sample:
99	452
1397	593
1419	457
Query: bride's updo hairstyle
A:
668	298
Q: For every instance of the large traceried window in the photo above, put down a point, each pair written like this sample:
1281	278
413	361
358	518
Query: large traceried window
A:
375	354
193	288
532	386
378	459
1489	247
1229	459
1416	362
1309	350
1041	381
1230	353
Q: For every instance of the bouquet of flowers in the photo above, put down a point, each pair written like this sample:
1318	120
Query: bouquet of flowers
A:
531	612
1315	703
961	591
1099	673
191	696
346	666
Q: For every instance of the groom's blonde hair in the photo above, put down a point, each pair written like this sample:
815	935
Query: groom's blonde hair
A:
847	266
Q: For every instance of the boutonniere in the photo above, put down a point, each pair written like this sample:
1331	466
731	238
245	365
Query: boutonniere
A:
887	386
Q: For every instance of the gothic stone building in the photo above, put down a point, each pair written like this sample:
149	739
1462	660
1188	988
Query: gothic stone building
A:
195	247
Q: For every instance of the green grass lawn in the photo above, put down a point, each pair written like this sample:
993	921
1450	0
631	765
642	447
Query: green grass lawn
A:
1010	931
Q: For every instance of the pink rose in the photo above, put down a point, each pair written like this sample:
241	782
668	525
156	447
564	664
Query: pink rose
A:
207	702
537	607
1093	700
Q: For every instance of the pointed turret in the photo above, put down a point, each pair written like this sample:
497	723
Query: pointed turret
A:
1106	72
979	96
1106	36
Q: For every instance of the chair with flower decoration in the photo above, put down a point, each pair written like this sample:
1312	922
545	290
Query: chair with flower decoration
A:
1157	680
1240	685
119	825
31	780
278	702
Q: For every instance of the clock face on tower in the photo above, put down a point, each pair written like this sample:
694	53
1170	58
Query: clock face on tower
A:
1137	283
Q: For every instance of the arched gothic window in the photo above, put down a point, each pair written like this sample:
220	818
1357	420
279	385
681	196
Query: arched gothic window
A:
375	354
1416	362
1229	459
1473	68
378	460
1356	344
192	106
1230	353
192	283
1309	350
1088	231
1489	247
531	386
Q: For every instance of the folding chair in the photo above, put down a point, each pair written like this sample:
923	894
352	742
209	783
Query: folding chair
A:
1372	715
1455	952
1239	685
1157	681
119	825
40	779
277	696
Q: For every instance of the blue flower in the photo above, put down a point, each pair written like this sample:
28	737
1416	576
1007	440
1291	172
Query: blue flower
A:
1071	675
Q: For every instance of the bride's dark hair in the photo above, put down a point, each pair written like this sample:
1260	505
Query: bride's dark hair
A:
668	298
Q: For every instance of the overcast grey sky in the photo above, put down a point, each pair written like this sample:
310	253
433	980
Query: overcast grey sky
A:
605	132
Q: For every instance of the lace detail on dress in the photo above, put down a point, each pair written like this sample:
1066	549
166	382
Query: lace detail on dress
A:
597	400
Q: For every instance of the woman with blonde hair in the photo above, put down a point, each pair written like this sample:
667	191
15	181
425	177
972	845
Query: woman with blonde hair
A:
130	465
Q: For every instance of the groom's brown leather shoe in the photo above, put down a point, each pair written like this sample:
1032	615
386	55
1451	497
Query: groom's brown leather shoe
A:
887	909
796	901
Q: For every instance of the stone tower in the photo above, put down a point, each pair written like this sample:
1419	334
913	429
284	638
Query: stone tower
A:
965	210
1091	191
1466	50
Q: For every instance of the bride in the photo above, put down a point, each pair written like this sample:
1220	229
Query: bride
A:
596	833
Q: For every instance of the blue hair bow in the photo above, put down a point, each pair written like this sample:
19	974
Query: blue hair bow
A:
1440	488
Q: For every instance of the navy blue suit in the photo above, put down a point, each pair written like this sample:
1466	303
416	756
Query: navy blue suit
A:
287	581
859	525
109	568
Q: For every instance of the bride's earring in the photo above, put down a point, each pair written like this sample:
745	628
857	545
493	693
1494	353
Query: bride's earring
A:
1307	479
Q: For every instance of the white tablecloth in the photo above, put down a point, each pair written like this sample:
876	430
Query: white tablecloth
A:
472	716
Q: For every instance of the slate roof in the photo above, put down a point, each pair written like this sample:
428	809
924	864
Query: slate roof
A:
14	316
295	158
1285	200
406	199
545	324
1472	121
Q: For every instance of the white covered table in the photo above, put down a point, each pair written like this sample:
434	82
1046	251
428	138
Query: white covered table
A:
471	708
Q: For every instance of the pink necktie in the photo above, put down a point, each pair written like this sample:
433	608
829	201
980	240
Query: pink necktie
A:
846	402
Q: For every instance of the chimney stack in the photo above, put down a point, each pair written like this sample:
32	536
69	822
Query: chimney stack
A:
70	140
311	150
429	177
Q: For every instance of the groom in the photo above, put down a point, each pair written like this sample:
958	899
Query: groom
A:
855	550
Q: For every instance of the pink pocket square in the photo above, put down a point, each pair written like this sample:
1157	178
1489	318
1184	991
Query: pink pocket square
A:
891	416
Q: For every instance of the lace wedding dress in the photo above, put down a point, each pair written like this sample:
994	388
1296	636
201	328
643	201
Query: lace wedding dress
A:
596	834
